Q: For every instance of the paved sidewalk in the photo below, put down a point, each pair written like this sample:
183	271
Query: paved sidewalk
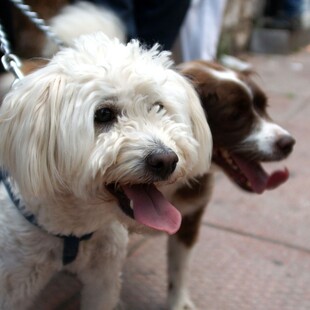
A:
254	251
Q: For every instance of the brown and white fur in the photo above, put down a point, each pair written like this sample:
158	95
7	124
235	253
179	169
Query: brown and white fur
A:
243	136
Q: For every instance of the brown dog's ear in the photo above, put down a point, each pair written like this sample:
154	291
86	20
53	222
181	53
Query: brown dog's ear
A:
190	77
208	100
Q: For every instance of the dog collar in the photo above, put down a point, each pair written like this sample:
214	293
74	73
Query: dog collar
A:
71	242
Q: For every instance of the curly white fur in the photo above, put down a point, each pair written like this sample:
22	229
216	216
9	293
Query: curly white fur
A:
83	18
61	160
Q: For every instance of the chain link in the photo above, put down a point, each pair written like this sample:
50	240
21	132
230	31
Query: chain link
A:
10	62
39	22
4	43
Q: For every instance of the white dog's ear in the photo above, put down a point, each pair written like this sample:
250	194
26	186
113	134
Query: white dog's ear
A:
200	129
28	129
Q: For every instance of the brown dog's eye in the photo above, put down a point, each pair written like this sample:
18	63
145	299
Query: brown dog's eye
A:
104	115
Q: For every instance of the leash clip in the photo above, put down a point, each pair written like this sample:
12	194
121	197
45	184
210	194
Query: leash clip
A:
12	64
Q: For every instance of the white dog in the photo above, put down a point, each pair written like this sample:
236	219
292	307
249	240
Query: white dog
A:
87	145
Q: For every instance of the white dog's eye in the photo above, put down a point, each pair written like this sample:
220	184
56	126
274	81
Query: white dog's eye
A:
159	106
104	115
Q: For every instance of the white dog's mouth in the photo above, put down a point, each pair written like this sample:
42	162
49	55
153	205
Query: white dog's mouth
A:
148	206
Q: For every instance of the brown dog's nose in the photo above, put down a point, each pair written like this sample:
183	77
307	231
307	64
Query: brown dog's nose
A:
285	144
162	163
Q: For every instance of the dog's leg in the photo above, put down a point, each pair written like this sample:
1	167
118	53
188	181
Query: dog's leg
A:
101	289
180	248
101	280
181	244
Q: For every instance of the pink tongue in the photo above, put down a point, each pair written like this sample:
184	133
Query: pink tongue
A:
277	178
152	209
258	177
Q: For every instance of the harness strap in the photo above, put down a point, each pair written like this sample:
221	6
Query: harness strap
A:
70	243
71	247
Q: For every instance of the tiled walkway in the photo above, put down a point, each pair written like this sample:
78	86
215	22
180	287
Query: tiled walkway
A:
254	251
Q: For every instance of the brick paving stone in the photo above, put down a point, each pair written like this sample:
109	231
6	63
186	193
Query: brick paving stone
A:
229	271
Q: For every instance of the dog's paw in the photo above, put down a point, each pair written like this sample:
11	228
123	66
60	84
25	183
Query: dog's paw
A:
186	305
183	302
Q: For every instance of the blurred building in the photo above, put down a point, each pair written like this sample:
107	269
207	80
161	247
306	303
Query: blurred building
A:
264	26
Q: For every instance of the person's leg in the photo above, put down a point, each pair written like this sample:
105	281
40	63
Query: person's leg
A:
124	10
287	14
292	8
201	30
159	21
273	7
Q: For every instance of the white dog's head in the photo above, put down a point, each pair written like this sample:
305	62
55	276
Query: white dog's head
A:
99	125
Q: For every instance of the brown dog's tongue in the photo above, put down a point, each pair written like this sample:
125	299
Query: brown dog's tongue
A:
277	178
260	180
152	209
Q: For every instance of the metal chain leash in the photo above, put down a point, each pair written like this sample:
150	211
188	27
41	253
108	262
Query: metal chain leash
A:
4	43
39	22
11	62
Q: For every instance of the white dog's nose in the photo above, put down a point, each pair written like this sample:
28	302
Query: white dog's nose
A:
162	163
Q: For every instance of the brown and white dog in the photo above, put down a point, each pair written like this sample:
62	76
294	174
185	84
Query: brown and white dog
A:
243	136
243	132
